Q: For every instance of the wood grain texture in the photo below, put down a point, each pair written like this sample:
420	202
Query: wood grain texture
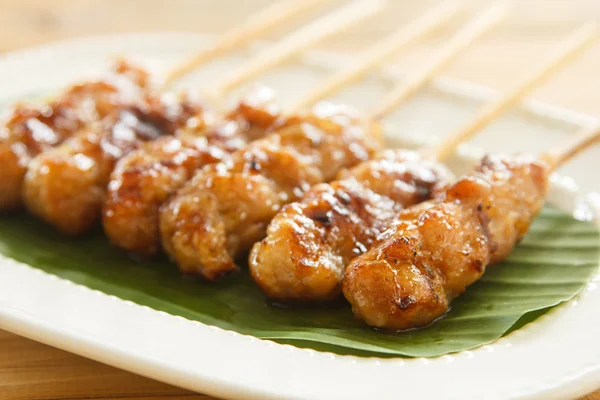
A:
30	370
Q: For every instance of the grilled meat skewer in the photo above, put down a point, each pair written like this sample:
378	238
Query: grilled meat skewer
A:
435	251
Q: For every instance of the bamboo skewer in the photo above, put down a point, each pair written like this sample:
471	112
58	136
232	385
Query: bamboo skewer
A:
458	43
291	45
298	41
568	49
254	27
380	53
576	145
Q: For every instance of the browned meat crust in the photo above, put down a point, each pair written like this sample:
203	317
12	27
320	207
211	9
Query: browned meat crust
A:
144	179
226	207
29	131
65	185
432	254
310	243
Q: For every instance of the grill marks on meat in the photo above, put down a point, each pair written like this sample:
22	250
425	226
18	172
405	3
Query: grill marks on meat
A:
310	243
66	185
226	207
29	131
144	179
434	252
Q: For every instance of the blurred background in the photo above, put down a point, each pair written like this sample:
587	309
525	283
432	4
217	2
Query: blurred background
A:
533	26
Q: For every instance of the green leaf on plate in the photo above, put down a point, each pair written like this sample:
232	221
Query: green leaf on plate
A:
550	266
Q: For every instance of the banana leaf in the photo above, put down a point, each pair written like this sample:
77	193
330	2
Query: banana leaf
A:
550	266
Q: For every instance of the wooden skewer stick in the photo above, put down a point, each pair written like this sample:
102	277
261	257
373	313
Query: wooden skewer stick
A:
577	144
254	27
380	53
298	41
566	52
458	43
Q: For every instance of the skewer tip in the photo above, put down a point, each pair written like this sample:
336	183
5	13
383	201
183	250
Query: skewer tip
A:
582	141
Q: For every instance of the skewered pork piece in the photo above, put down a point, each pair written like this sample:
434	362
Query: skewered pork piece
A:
226	207
435	251
30	130
142	180
310	243
65	186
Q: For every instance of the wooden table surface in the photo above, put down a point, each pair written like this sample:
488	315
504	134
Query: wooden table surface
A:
30	370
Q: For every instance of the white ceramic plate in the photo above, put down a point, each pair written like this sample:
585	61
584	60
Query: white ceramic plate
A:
557	356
